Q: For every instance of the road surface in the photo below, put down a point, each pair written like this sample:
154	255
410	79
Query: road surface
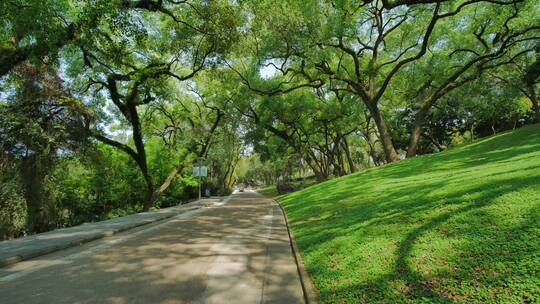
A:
236	251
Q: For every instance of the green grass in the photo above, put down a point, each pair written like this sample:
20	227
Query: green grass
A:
459	226
270	191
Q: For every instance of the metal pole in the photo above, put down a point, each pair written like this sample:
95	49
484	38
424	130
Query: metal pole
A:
200	164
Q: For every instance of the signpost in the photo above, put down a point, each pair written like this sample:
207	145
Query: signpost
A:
200	171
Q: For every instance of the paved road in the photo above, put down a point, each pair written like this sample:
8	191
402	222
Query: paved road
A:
230	252
27	247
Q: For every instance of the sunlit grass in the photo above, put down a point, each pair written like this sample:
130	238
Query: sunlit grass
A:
458	226
271	191
268	191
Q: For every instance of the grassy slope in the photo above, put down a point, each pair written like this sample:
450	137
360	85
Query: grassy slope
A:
270	191
459	226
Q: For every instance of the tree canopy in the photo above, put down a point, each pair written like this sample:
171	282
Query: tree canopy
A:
106	105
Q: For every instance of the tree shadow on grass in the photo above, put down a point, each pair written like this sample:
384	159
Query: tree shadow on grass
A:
495	268
362	206
412	201
410	181
346	221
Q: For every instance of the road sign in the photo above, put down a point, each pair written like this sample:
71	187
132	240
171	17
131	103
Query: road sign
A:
200	171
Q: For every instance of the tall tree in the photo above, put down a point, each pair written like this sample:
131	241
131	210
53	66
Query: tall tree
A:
134	71
357	47
493	42
40	122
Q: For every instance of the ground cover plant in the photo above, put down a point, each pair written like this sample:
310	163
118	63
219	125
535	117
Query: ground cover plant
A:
458	226
268	191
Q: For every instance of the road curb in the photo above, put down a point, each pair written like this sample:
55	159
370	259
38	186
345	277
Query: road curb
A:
310	292
46	250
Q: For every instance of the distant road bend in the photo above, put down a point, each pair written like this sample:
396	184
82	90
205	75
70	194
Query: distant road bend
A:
235	251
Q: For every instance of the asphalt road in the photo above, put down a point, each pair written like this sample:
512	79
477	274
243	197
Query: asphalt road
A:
229	252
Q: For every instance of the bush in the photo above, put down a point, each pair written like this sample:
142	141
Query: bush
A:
12	210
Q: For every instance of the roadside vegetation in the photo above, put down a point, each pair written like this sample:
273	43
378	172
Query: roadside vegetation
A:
290	185
107	106
458	226
270	191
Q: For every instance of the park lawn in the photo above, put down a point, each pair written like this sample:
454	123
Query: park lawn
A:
270	191
459	226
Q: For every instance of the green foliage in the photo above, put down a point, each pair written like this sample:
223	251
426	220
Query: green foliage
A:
40	124
459	226
95	183
307	86
12	207
268	191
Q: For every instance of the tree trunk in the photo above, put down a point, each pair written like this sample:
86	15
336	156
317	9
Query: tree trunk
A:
372	150
164	185
534	101
337	156
435	142
149	197
345	144
340	163
320	175
416	133
227	180
384	134
33	175
133	117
